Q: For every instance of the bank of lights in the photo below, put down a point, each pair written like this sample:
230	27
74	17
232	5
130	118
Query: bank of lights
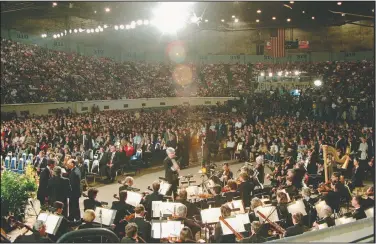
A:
257	20
262	74
270	74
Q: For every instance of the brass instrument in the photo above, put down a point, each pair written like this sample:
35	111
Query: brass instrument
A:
344	160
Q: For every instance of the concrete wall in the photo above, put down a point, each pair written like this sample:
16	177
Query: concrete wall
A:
85	106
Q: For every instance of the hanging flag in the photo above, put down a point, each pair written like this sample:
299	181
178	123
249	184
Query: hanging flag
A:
278	43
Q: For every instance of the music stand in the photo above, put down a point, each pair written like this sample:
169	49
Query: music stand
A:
164	188
319	207
165	228
243	218
133	198
236	206
164	209
234	222
104	216
268	211
297	207
210	215
52	222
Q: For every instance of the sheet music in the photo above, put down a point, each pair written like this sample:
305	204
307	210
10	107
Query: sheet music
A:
165	229
234	204
243	218
164	187
174	228
235	224
133	198
155	206
267	210
192	191
164	208
52	223
108	216
210	215
297	207
369	212
43	217
319	208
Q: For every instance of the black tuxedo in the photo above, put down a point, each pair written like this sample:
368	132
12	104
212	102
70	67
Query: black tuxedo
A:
91	204
155	196
295	230
116	162
246	190
74	206
171	176
311	212
144	228
40	163
356	178
332	199
59	189
122	209
42	193
359	214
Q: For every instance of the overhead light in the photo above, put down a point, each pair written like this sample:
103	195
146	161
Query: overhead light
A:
206	20
303	12
270	74
133	26
127	27
343	14
296	72
339	3
92	30
288	20
65	31
373	10
42	35
70	31
194	19
146	22
133	23
116	27
107	9
257	20
280	73
233	16
259	11
236	20
54	4
139	22
54	36
96	29
58	35
75	30
262	74
80	30
222	20
274	18
292	2
88	31
95	12
101	29
122	27
317	82
105	26
313	17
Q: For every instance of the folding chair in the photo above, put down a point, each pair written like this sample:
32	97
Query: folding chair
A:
91	172
24	157
135	162
7	162
30	157
21	166
13	164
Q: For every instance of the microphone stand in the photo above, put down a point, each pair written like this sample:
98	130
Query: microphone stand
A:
100	217
160	225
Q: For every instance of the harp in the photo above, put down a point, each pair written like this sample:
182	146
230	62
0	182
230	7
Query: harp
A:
332	151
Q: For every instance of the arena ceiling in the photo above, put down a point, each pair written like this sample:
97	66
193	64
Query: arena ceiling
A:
41	17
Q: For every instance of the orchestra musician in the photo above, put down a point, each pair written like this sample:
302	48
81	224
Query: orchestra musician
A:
369	201
256	236
333	198
226	174
128	182
357	176
245	189
186	235
149	199
327	219
122	209
65	225
283	213
171	171
217	199
218	234
131	235
144	227
88	220
231	190
359	210
192	210
309	204
91	202
39	234
298	227
181	215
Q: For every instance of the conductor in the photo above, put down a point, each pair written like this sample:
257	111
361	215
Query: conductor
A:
171	171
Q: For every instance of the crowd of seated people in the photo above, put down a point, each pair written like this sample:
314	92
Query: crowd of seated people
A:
30	73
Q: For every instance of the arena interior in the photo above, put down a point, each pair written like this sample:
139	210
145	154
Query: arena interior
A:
207	122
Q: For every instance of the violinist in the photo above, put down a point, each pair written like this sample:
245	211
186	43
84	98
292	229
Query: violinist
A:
144	227
369	202
128	182
122	209
255	237
231	190
359	213
327	219
39	235
130	234
186	235
88	220
218	199
298	228
192	210
149	199
333	198
283	213
91	202
218	234
181	215
226	174
65	224
357	176
309	204
245	189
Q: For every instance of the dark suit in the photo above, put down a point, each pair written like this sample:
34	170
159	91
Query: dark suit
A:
74	205
144	228
42	193
333	200
122	209
171	176
40	163
59	189
246	190
295	230
192	210
359	214
33	238
230	195
128	240
311	212
116	161
91	204
220	238
155	196
356	178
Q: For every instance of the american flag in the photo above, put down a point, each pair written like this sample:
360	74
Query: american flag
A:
278	43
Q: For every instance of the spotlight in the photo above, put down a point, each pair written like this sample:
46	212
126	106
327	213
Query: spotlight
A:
262	74
194	19
107	10
75	30
236	20
101	29
42	35
139	22
273	18
287	73
61	34
54	4
257	20
65	32
146	22
96	29
259	11
317	82
127	27
292	2
222	20
122	27
313	17
270	74
343	15
88	31
206	20
105	26
133	26
80	30
95	12
288	20
116	27
133	23
339	3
